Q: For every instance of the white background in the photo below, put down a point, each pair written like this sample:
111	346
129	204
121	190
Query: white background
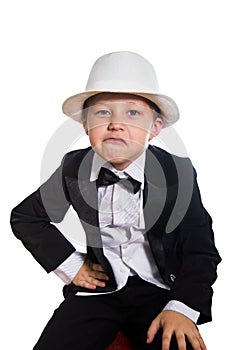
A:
47	50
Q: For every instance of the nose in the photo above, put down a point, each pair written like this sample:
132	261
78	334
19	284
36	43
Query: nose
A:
116	122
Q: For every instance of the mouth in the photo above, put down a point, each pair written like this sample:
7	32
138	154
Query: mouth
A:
115	140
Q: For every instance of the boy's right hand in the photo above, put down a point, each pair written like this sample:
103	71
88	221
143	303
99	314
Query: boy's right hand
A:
90	276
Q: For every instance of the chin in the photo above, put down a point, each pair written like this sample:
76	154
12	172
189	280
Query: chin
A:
119	163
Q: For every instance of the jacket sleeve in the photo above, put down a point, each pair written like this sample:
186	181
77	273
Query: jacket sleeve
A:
198	259
31	222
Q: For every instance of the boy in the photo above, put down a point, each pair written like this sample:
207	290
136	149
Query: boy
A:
150	257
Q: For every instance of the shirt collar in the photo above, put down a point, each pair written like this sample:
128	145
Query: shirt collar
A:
135	169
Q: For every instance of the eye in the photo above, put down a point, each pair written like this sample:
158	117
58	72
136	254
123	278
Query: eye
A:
133	113
103	112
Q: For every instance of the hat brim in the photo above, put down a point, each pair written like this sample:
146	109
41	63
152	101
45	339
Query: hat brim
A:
73	106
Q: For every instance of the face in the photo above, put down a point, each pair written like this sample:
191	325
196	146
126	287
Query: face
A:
120	126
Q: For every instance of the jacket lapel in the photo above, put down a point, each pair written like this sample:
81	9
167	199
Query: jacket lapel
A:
155	195
83	196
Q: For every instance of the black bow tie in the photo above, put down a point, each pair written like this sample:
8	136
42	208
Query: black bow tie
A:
107	177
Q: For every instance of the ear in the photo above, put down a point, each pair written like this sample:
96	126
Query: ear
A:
85	127
156	128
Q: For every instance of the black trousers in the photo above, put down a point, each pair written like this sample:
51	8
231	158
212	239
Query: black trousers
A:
92	322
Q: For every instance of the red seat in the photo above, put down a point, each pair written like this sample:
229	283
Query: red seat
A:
120	343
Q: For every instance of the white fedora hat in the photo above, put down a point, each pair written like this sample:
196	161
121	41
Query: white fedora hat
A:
123	72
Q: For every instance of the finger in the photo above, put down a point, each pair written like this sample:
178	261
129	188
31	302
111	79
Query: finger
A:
196	341
95	281
201	341
181	341
99	275
90	283
166	340
93	266
97	271
97	267
85	284
153	329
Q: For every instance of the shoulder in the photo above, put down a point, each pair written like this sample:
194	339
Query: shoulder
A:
77	154
162	154
167	158
72	160
172	165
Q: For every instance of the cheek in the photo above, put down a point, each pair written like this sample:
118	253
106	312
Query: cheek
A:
96	135
140	134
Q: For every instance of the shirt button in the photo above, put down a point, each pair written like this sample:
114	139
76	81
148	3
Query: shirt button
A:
172	277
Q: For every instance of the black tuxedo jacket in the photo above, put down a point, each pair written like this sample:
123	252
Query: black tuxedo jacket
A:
178	228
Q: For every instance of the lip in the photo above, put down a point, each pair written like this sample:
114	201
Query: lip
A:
115	140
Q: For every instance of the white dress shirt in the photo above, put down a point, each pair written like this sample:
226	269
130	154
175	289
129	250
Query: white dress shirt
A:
123	235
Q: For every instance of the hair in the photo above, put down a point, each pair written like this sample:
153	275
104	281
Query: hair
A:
151	104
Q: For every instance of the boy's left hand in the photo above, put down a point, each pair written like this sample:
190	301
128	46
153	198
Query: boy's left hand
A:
173	322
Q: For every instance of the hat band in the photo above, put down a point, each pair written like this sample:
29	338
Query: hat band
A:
120	86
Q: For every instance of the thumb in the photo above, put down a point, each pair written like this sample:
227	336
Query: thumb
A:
153	329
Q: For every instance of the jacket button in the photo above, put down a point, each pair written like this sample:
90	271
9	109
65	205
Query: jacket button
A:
172	277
